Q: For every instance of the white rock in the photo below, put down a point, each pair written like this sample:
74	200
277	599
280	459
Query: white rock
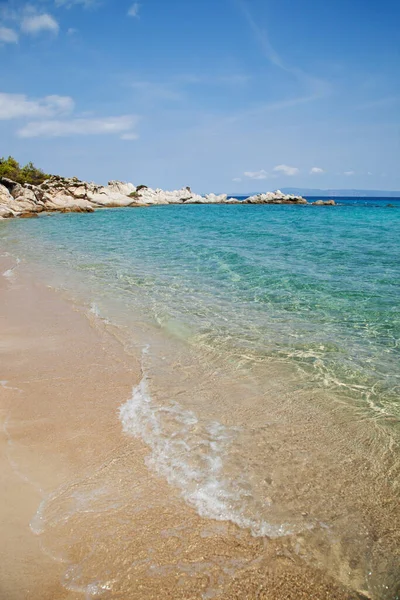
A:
276	197
5	196
121	188
78	192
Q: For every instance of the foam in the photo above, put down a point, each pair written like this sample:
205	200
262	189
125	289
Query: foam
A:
191	456
10	272
94	310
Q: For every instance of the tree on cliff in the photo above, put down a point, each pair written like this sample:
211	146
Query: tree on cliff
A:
11	169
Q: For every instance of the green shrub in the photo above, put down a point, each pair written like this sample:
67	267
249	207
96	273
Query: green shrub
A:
11	169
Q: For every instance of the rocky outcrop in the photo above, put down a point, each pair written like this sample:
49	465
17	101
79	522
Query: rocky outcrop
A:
73	195
275	198
324	203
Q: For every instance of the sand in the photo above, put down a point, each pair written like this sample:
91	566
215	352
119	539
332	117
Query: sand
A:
81	515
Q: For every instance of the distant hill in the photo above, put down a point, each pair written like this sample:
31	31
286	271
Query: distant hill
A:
329	193
343	193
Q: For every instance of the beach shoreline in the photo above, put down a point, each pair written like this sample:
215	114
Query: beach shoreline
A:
67	465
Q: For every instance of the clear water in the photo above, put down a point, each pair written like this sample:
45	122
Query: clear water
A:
264	316
318	287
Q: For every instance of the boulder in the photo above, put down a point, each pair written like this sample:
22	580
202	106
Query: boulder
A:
105	198
79	191
13	187
214	199
6	212
64	202
324	203
5	196
121	188
158	196
25	195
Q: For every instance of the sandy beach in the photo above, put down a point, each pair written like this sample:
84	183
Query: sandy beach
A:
81	514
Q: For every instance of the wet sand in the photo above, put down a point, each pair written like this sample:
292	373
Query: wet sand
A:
81	515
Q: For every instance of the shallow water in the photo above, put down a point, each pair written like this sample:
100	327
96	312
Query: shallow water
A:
271	337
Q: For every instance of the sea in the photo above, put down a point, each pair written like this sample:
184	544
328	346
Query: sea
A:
269	339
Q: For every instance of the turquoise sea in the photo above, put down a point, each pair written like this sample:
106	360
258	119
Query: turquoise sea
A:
277	330
315	286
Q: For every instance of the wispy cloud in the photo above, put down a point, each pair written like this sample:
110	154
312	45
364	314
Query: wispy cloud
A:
134	10
19	106
256	174
34	24
286	170
177	87
314	87
349	173
261	37
276	171
316	171
122	125
8	36
129	136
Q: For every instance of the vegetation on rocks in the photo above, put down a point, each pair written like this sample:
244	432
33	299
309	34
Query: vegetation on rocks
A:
11	169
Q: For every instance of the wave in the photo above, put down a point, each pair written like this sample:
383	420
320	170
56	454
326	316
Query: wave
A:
191	456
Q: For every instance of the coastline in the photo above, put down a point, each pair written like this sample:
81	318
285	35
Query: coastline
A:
105	520
63	195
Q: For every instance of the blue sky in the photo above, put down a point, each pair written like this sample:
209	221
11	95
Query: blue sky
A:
222	95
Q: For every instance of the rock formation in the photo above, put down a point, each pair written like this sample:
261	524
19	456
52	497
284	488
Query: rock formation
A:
324	203
72	195
277	197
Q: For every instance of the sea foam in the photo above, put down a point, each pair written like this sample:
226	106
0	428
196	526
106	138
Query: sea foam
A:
9	273
191	456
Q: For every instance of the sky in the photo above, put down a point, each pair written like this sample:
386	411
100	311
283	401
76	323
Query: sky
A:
222	95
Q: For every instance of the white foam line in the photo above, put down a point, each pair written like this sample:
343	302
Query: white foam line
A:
7	387
10	272
191	457
94	310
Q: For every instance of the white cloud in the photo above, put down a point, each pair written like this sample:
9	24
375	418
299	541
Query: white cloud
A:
256	174
72	31
349	173
316	171
237	179
34	24
286	170
134	10
102	126
8	36
18	106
